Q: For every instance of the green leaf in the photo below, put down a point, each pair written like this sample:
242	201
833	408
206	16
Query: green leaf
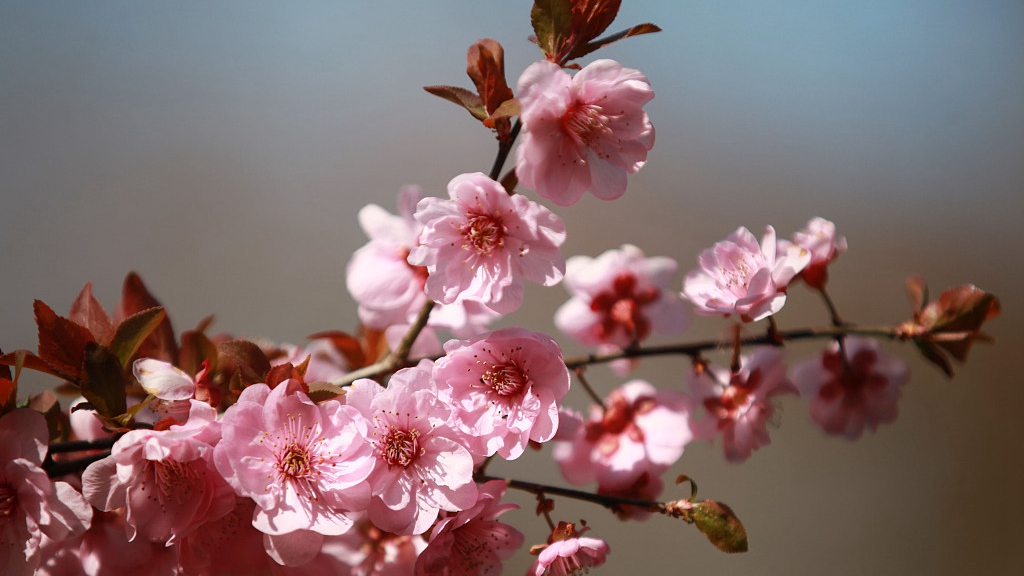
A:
104	381
460	97
552	24
719	523
133	331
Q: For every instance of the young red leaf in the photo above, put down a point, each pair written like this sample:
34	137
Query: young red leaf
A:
582	50
25	359
917	292
46	403
591	17
104	381
87	311
8	394
485	64
347	344
552	22
133	331
61	342
253	364
135	298
196	347
461	97
506	110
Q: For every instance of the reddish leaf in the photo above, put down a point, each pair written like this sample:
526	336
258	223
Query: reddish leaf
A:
87	311
506	110
591	17
320	392
104	381
552	22
61	342
509	181
136	298
485	64
719	523
25	359
283	372
584	49
46	404
348	345
461	97
917	292
934	355
196	348
133	331
8	395
253	364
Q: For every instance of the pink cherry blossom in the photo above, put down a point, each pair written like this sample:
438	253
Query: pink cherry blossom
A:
583	133
106	551
366	550
165	480
482	243
420	464
620	297
304	464
227	545
387	287
848	397
640	430
739	277
740	405
472	542
568	552
163	380
31	505
505	388
820	239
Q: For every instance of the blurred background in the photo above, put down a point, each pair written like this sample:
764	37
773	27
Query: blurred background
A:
222	150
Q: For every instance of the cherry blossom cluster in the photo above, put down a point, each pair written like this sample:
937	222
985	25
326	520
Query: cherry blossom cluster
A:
210	455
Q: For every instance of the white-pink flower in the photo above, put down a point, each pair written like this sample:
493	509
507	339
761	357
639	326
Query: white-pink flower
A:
582	133
568	552
482	243
420	465
304	464
388	289
737	276
472	542
740	405
31	505
640	430
505	388
820	239
848	397
165	480
620	297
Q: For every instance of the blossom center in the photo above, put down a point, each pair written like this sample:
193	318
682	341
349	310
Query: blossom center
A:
400	447
7	500
175	480
484	233
621	308
294	461
505	380
585	123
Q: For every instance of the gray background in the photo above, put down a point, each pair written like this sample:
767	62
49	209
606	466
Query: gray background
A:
222	150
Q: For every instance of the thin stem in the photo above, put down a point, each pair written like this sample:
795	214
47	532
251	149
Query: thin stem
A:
836	321
832	310
504	148
610	502
57	469
398	358
693	349
586	386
